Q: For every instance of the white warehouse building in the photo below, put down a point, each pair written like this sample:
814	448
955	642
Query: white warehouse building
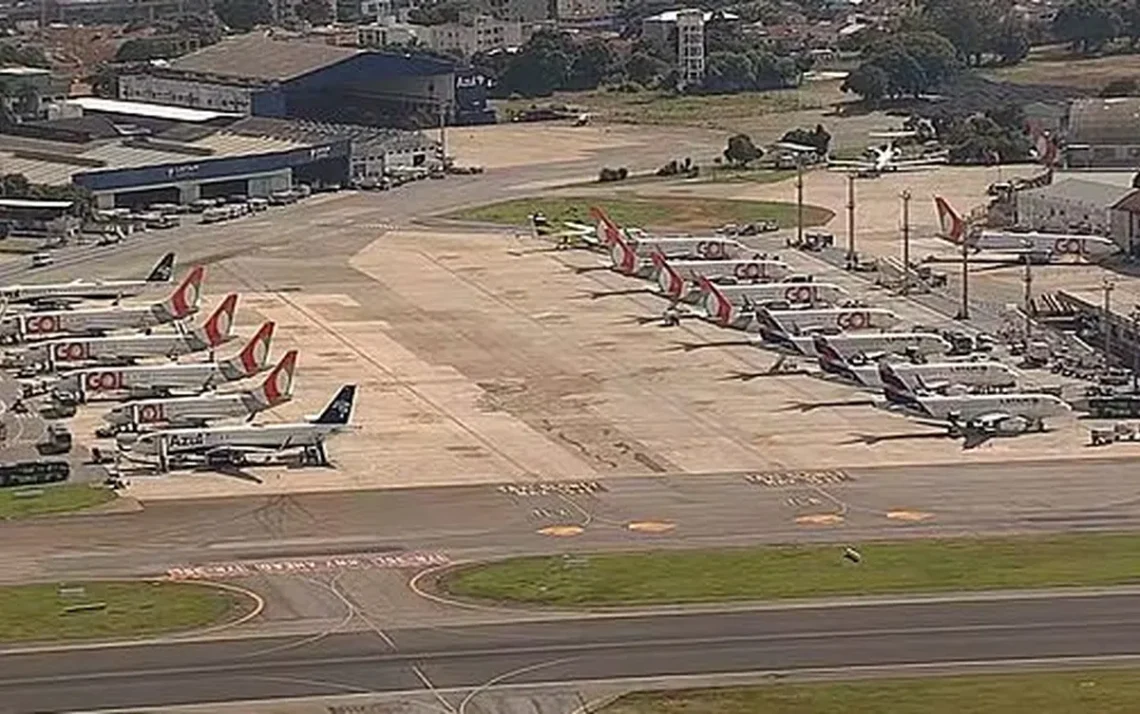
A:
1075	205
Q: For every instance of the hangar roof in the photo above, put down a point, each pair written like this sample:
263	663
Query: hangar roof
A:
145	109
257	56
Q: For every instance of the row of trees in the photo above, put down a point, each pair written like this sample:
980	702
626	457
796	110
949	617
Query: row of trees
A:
903	64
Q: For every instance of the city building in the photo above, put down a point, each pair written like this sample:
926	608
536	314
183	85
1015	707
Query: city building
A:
255	74
387	32
28	93
659	28
376	9
690	47
478	33
588	13
525	11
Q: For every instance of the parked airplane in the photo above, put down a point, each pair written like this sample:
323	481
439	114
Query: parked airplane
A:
185	412
1038	246
871	345
709	247
234	445
677	278
902	382
887	158
155	380
797	293
182	303
62	294
778	325
986	414
637	259
120	349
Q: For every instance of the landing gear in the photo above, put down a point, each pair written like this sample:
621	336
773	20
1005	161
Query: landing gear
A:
671	317
315	456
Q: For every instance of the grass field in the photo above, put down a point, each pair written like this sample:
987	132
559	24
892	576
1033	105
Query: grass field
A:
664	212
1052	66
38	613
42	500
1100	691
721	174
652	107
802	571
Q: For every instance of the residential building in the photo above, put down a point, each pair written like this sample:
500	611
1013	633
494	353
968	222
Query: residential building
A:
1076	204
519	10
479	33
588	13
376	9
388	32
659	28
28	92
691	47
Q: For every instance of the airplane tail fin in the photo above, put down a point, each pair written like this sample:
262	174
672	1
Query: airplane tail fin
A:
716	304
894	388
163	271
339	409
622	256
608	231
220	327
278	386
953	229
185	300
253	356
667	278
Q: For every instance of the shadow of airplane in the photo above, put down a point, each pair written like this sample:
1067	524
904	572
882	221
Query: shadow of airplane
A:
599	294
805	407
692	346
749	376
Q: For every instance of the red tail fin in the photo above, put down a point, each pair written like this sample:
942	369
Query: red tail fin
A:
622	256
254	355
608	231
278	386
953	229
716	304
219	328
670	282
187	296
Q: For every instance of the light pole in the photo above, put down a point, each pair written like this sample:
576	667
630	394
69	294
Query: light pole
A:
1028	301
964	309
1108	286
799	198
1135	346
906	240
851	257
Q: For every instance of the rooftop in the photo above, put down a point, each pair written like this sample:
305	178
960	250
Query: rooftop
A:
33	203
258	56
1105	194
1104	121
145	109
671	16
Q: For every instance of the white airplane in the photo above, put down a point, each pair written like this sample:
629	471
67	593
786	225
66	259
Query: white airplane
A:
777	325
985	414
1038	246
185	412
795	293
118	349
871	345
902	382
155	380
182	303
678	279
887	158
62	294
234	445
637	259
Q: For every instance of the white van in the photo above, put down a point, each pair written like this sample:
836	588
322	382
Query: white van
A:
42	260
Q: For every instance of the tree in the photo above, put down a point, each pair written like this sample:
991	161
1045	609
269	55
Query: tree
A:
868	81
244	15
728	72
1129	11
314	12
593	62
1011	43
741	151
644	68
541	66
1087	25
105	81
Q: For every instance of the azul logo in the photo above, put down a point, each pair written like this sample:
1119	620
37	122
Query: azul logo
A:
189	169
320	152
182	441
476	80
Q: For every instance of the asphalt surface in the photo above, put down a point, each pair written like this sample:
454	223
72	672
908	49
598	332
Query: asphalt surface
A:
598	649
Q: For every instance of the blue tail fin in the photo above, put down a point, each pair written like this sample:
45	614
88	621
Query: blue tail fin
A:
340	408
163	271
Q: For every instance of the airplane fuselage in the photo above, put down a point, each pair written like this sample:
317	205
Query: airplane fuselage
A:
1045	245
183	410
795	293
79	351
94	320
112	382
969	408
173	442
79	290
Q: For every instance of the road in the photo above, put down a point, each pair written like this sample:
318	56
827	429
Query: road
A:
565	651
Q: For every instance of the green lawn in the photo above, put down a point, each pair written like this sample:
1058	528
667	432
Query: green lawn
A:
1099	692
665	212
803	571
652	107
718	174
38	613
40	500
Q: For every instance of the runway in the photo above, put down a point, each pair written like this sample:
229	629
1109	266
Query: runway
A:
689	510
565	651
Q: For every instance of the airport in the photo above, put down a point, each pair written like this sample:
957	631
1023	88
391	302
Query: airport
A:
333	404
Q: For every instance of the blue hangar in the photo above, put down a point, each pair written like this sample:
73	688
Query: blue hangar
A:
257	74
